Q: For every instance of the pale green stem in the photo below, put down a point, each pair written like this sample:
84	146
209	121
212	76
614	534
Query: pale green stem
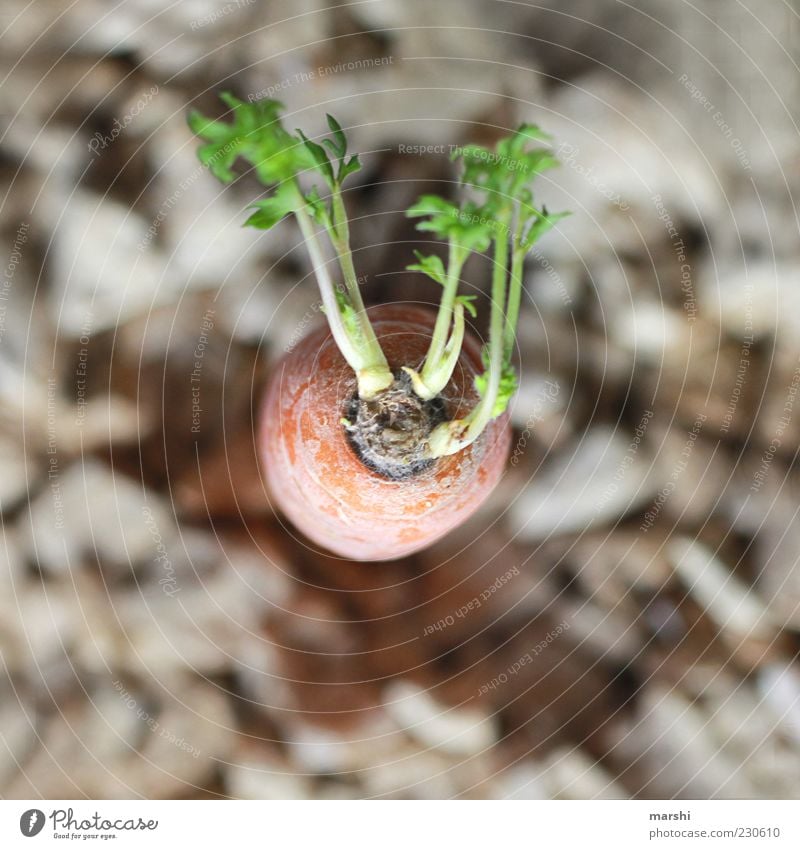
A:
326	290
428	386
371	374
379	370
451	437
514	293
441	330
482	414
440	360
341	242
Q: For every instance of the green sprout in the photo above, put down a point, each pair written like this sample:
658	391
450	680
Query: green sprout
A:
278	158
497	214
507	220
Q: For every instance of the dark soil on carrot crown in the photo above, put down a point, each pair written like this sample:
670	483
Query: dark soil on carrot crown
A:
389	432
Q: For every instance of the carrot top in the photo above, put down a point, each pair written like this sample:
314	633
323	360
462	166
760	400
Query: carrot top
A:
496	212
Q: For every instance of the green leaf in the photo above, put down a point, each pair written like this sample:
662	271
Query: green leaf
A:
339	143
271	210
223	145
466	301
332	149
207	128
275	153
257	135
318	209
338	148
533	133
348	167
431	205
469	226
506	173
431	265
320	158
542	222
476	164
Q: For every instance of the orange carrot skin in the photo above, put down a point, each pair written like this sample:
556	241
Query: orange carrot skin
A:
314	476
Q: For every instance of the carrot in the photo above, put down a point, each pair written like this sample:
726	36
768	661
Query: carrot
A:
317	476
388	428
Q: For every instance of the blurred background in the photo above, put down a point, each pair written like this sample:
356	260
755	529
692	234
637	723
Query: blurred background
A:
622	619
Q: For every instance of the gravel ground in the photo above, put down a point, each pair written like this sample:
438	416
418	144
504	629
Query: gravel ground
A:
622	619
